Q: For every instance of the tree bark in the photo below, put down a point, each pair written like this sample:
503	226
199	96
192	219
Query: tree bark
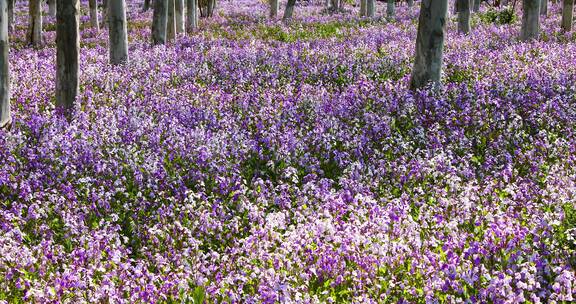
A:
68	49
52	8
543	7
11	15
94	23
391	8
530	20
192	15
274	7
171	24
35	24
179	4
117	32
335	4
289	10
362	8
476	7
105	13
463	8
567	11
410	3
370	8
159	22
5	117
146	6
211	7
429	44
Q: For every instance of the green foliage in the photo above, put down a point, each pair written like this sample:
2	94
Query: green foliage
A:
311	31
295	32
505	16
459	75
327	288
565	231
195	295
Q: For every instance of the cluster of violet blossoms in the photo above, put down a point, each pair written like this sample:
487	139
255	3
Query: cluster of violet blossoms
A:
262	162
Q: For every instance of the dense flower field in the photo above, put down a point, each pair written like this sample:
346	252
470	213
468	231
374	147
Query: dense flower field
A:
257	162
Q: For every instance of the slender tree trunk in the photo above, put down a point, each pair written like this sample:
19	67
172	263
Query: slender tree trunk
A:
52	8
192	15
94	15
5	117
274	7
68	49
429	44
105	12
171	24
391	8
289	10
410	3
567	11
341	5
370	8
463	8
35	24
11	15
543	7
179	4
117	32
362	8
146	6
530	20
476	6
211	7
159	22
335	5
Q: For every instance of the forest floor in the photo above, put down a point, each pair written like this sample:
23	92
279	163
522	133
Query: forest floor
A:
258	162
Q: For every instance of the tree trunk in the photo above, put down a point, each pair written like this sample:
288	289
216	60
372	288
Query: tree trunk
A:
476	7
530	20
192	15
341	5
94	15
179	4
274	7
5	117
289	10
52	8
117	32
429	44
171	24
463	8
11	15
68	49
104	13
362	8
35	24
211	7
334	6
370	8
146	6
159	22
410	3
543	7
391	8
567	10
